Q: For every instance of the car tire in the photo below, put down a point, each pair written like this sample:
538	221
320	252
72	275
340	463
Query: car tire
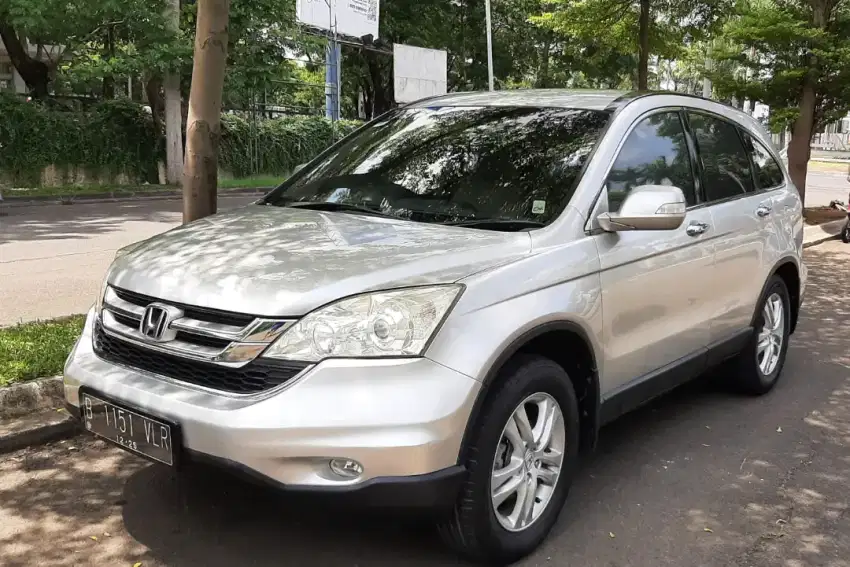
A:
845	233
751	373
476	528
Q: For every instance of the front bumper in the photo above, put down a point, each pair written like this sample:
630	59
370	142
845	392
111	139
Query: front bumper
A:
402	420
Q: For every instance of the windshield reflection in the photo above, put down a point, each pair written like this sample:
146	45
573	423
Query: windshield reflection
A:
454	165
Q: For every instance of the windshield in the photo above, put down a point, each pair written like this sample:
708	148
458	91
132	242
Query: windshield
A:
515	166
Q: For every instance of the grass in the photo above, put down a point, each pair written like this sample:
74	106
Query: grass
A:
815	165
87	190
35	350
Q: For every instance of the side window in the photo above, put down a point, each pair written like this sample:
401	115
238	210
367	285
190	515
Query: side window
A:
655	153
725	163
768	173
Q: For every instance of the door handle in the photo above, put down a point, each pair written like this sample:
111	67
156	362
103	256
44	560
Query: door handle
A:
696	228
763	211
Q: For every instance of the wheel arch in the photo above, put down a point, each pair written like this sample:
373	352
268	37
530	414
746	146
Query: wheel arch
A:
789	271
566	343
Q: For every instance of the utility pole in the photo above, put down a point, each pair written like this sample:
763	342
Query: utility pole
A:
173	108
489	44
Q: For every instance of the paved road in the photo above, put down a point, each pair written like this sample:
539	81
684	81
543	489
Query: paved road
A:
53	257
698	478
823	187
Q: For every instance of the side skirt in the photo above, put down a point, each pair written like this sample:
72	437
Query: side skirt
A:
643	389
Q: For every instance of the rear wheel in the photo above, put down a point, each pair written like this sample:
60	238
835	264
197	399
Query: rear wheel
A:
520	462
845	232
757	368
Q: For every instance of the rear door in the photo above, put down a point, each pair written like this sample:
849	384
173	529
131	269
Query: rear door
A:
654	283
743	218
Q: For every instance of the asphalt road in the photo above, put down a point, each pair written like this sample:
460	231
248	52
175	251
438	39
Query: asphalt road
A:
823	187
698	478
53	257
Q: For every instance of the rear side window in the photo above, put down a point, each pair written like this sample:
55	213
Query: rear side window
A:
655	153
768	174
725	164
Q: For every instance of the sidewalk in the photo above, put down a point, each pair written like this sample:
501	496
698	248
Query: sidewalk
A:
816	234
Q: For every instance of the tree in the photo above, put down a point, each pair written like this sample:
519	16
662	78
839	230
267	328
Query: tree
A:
645	27
797	53
173	108
203	129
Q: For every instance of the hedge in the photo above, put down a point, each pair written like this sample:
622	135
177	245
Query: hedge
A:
113	137
275	146
120	137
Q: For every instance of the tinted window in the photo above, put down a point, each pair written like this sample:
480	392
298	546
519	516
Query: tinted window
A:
725	164
768	174
655	153
453	164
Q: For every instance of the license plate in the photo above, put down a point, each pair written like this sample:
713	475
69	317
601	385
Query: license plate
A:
131	430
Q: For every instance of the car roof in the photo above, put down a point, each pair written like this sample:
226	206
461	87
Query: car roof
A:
558	98
583	99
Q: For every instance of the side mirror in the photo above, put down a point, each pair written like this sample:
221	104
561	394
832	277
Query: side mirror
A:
647	207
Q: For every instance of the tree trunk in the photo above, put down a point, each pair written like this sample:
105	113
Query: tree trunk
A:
154	97
203	128
173	109
800	148
35	73
109	80
543	63
643	56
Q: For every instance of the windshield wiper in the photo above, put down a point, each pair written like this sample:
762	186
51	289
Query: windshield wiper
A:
335	207
502	224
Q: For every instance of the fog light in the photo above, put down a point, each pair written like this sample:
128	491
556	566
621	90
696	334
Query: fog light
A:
346	468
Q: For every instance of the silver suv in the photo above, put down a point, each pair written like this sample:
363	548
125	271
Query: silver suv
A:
441	310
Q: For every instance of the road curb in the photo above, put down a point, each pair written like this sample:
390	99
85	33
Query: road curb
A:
39	434
11	202
23	399
28	414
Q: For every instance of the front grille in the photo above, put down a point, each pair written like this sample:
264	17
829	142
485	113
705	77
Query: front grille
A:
256	376
191	311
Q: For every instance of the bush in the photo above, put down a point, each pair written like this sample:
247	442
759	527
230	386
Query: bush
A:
274	147
120	137
112	137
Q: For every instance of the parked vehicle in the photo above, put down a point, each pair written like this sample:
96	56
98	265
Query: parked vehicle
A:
442	310
845	230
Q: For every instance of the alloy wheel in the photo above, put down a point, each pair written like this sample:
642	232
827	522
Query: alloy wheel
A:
528	462
771	335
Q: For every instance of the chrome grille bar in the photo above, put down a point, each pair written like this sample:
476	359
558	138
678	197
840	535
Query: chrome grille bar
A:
228	345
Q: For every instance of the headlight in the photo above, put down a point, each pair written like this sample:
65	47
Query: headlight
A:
98	305
387	323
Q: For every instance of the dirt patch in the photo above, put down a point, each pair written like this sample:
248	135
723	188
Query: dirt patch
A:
820	215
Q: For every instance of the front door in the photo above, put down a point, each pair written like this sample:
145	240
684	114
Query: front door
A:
654	283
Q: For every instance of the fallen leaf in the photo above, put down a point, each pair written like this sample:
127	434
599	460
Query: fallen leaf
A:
107	534
60	410
139	564
611	535
709	530
93	537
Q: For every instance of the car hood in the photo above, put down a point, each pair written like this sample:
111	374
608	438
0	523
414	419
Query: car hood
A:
279	261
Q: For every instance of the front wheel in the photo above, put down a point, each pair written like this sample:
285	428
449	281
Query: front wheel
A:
845	232
520	461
